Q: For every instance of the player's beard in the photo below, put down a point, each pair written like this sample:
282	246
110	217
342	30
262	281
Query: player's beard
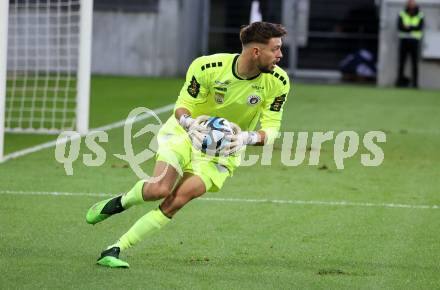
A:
265	69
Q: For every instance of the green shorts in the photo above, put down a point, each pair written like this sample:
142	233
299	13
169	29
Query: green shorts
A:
175	148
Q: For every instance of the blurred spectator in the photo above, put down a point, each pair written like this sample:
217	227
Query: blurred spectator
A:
255	12
410	26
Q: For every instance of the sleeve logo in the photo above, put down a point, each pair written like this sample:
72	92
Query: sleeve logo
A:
193	88
278	103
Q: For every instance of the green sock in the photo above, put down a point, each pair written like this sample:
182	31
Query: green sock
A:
134	196
146	225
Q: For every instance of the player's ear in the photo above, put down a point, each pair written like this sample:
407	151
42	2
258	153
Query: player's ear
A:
255	51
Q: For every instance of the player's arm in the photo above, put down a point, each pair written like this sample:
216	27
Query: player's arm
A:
183	116
242	138
261	137
193	92
272	113
254	138
267	134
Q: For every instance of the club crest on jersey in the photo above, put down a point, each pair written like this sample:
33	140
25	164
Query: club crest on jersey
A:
219	98
253	100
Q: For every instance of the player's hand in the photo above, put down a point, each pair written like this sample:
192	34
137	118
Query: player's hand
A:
187	122
237	141
197	138
197	131
198	124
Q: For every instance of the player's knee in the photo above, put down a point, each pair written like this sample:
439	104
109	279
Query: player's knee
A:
155	191
175	202
172	205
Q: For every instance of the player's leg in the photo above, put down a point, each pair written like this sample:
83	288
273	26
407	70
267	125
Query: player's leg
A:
164	178
174	151
208	176
190	187
160	186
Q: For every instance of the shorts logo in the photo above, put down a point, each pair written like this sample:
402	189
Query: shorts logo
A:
193	88
253	100
219	98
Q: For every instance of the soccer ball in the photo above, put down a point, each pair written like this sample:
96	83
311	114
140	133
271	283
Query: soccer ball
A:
215	140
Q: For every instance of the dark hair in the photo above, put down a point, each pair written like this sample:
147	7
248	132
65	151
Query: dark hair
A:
261	32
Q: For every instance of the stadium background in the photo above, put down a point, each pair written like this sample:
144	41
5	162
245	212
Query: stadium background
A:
271	227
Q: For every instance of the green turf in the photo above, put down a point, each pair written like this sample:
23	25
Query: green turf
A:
111	100
46	243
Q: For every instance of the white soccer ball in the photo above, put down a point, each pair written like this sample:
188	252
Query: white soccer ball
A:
215	140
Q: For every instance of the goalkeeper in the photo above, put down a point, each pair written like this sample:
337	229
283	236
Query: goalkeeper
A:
242	88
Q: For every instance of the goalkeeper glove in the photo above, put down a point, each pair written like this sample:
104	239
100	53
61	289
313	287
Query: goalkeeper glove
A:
186	121
195	128
239	140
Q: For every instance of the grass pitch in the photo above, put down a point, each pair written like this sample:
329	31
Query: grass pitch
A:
381	237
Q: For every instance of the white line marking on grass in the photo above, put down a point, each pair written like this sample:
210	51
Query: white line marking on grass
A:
108	127
329	203
121	123
242	200
54	193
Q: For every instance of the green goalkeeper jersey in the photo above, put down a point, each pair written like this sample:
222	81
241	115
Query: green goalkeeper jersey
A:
213	88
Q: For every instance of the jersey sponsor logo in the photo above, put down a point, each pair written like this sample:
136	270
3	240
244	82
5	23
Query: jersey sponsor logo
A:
253	100
257	87
193	88
278	103
219	98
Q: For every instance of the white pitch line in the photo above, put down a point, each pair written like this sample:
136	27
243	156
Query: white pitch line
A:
54	193
329	203
242	200
108	127
143	117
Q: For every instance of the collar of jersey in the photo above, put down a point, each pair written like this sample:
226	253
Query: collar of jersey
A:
235	73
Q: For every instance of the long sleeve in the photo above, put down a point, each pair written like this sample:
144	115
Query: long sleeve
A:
195	89
273	111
